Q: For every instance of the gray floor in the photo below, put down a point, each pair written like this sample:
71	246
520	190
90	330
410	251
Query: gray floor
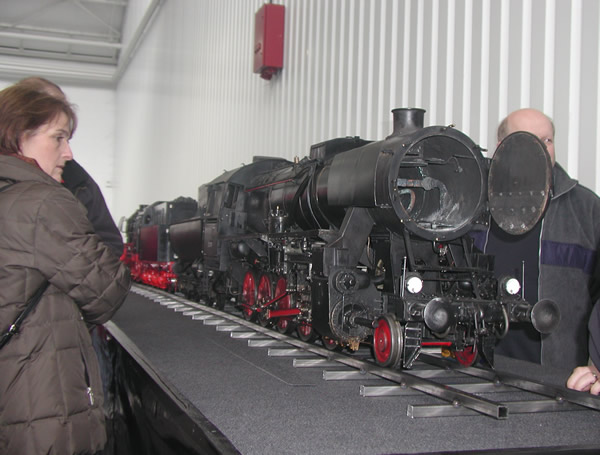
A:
266	406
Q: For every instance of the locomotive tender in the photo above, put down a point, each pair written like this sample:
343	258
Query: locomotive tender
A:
360	242
148	251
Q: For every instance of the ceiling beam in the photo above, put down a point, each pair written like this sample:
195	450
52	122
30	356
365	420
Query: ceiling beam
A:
17	67
57	39
62	55
107	2
142	28
66	33
84	8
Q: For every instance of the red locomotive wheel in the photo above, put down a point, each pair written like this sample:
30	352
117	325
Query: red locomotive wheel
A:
249	296
330	344
388	341
264	294
467	356
284	324
306	332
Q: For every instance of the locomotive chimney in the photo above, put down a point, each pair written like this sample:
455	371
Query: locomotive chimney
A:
407	120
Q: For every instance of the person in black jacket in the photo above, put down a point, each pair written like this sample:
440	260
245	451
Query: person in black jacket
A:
556	258
83	186
585	378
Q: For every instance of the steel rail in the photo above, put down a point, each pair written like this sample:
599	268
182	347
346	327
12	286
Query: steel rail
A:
557	393
461	401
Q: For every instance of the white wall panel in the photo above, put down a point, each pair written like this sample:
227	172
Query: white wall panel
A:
189	105
574	87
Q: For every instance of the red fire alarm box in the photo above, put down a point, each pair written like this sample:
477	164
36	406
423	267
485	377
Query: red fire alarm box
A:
268	39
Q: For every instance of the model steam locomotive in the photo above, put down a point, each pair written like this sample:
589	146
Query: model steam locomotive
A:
361	242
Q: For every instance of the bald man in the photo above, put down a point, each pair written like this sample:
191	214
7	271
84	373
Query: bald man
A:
559	255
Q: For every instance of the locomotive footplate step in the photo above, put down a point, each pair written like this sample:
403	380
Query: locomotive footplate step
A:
227	380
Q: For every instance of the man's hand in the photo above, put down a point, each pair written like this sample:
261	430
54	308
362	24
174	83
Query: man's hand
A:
585	379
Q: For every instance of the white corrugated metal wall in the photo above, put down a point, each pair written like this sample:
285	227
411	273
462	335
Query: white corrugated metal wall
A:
189	105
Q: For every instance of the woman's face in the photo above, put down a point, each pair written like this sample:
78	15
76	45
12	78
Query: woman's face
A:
49	146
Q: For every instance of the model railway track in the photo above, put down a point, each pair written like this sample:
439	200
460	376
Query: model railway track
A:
463	391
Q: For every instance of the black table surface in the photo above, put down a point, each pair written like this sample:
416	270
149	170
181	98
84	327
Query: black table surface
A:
264	405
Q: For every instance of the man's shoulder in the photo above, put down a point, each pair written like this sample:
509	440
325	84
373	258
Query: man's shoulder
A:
74	175
566	187
584	195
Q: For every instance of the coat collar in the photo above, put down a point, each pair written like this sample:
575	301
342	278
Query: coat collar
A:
16	169
563	183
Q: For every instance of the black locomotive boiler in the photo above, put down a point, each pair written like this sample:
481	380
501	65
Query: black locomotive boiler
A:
367	242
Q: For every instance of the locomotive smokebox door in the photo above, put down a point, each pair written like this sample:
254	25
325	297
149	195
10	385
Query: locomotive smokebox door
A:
519	182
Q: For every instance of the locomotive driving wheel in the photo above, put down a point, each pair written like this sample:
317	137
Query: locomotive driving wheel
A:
468	356
249	296
284	324
264	294
306	332
388	341
330	344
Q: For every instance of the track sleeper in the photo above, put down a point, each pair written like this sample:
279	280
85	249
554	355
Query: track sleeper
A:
314	363
289	352
347	375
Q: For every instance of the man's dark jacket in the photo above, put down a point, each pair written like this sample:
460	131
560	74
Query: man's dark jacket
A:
81	184
570	237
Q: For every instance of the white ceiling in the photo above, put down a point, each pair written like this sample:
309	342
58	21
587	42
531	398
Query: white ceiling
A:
67	40
74	30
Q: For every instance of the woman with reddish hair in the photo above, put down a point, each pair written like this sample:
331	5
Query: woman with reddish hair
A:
50	386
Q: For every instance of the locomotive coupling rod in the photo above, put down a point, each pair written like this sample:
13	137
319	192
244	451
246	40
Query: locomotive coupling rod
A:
275	300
